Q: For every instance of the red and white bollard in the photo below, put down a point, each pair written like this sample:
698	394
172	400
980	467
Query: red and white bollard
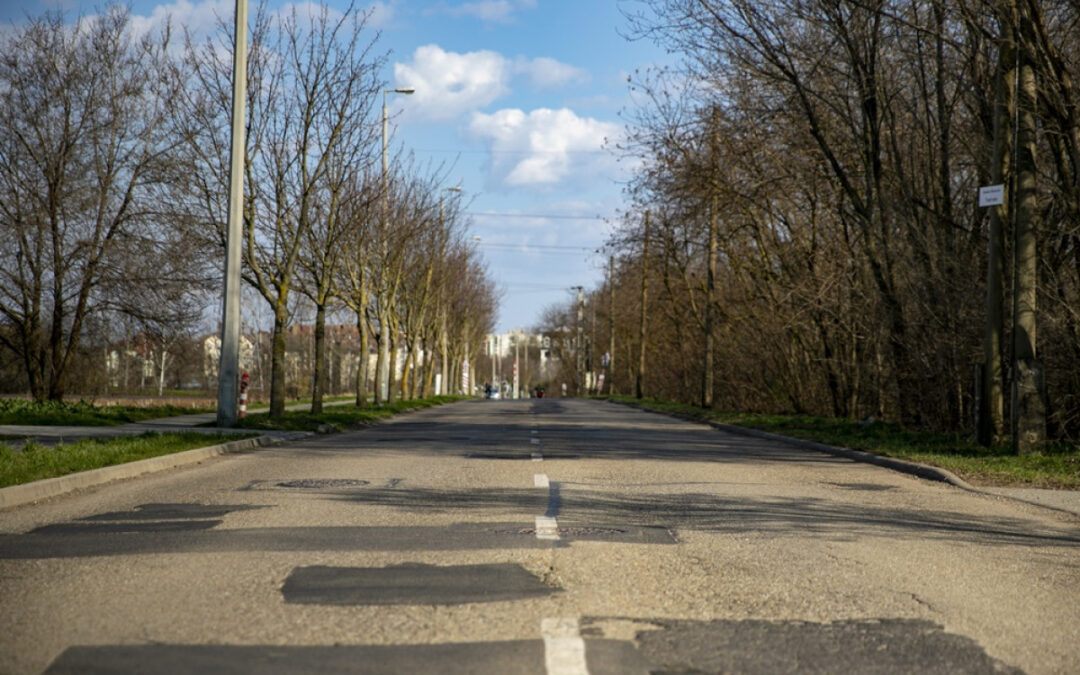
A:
243	396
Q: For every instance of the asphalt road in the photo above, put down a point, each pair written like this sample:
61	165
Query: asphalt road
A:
542	536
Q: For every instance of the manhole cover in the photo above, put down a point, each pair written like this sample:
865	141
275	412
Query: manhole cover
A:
322	483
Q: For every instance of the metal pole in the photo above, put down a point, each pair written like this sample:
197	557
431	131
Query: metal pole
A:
611	325
229	366
442	292
384	329
639	389
579	353
383	359
517	367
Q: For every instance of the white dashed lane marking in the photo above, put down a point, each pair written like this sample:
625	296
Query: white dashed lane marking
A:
537	457
540	480
547	528
564	650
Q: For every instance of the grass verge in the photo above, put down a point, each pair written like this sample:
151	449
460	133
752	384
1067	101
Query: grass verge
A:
81	414
1057	466
339	418
35	461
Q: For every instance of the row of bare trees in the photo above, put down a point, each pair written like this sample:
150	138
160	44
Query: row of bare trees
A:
806	216
114	177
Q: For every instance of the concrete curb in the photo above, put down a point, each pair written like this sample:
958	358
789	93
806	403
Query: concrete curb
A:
16	495
912	468
902	465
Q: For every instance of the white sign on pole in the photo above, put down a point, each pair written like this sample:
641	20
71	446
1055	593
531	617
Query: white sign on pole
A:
991	195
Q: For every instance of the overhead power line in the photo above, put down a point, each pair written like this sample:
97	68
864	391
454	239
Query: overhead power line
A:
493	214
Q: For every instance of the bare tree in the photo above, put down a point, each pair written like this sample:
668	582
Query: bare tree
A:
310	77
83	136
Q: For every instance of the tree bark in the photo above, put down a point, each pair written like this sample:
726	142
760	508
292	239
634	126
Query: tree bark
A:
318	380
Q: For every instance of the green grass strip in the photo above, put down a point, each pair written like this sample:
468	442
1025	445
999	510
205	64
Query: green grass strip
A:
1057	466
35	461
82	414
339	418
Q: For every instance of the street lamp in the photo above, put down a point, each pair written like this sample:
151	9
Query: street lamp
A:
384	329
229	365
445	389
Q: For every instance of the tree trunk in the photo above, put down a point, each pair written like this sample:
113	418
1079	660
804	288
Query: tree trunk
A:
429	369
362	364
277	362
161	375
318	378
1028	410
382	379
391	370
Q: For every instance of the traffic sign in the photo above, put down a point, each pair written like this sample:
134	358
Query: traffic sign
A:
991	195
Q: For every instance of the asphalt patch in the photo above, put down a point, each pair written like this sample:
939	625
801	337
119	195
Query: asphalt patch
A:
513	657
755	647
138	527
79	540
173	512
412	584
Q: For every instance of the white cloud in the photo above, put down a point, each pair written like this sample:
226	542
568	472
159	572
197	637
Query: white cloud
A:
202	18
199	19
449	84
381	13
547	73
492	11
544	146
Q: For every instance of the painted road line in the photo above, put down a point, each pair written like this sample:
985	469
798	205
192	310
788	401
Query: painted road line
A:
547	528
534	441
540	480
537	457
564	650
533	432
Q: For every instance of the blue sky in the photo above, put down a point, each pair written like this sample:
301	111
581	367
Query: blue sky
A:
520	96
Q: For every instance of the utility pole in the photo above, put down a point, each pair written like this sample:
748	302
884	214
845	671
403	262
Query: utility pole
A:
590	349
611	325
382	391
229	366
639	388
579	354
517	366
708	374
442	305
991	416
